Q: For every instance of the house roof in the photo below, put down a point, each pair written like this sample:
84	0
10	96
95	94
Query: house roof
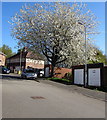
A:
28	54
13	55
33	56
2	53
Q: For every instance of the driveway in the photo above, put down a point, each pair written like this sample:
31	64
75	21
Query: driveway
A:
31	99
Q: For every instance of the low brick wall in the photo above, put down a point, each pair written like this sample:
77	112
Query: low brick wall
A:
61	72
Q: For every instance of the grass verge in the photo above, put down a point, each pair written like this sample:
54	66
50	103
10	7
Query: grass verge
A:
61	80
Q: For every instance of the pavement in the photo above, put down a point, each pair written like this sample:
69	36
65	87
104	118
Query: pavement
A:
81	90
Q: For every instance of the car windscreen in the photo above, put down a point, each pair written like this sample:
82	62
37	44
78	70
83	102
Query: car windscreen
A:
5	68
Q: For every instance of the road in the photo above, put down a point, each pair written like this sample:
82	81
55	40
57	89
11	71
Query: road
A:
32	99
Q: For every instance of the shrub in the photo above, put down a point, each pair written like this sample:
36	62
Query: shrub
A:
68	76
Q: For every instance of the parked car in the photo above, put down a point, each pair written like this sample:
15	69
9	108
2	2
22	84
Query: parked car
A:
5	70
29	74
41	72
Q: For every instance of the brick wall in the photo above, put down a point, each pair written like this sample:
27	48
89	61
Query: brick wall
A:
2	60
61	72
33	65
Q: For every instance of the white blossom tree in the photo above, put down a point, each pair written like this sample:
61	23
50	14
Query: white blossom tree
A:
53	29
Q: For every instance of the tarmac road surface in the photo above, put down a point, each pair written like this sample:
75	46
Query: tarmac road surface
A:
31	99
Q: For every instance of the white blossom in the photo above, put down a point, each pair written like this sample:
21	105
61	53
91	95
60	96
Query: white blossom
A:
55	31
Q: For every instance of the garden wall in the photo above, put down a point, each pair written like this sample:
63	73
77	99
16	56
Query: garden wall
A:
58	72
61	72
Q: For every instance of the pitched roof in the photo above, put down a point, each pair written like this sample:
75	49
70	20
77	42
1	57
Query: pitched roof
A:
28	54
33	56
2	53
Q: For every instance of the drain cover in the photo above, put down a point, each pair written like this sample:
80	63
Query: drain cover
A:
37	97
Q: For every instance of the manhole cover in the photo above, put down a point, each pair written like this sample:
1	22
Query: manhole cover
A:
37	97
75	89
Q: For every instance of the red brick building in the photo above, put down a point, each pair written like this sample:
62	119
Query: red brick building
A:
2	59
23	60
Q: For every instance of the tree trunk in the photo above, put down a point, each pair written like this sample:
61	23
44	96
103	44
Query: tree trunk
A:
52	71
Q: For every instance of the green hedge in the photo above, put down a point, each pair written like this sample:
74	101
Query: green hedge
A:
59	79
